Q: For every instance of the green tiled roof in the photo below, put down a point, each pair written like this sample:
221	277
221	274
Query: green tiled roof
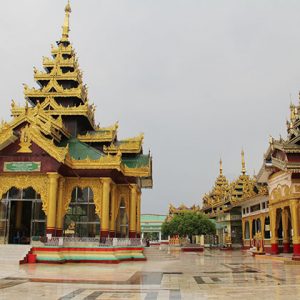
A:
139	161
79	150
155	218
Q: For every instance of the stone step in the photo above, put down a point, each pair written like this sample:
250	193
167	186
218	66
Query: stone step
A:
13	253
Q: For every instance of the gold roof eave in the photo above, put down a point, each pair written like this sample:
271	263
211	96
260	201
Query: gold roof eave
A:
61	49
80	92
61	62
131	145
7	137
104	162
100	135
59	75
137	172
47	124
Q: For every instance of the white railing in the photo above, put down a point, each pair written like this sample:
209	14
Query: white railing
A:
86	241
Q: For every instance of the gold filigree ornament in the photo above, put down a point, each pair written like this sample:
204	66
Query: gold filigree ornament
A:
25	140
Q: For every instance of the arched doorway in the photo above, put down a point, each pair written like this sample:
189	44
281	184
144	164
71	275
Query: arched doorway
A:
267	228
21	216
81	219
122	221
247	230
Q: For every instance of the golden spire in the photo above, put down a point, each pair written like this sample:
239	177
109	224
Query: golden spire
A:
66	27
221	167
243	163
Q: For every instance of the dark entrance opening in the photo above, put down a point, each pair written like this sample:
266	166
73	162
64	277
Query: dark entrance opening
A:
22	217
20	222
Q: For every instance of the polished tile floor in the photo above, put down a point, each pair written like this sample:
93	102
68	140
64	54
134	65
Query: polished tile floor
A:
209	275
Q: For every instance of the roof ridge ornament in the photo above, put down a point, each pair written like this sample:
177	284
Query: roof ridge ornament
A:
243	162
66	25
221	167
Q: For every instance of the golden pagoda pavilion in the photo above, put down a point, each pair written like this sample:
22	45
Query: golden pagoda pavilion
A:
281	170
224	205
60	173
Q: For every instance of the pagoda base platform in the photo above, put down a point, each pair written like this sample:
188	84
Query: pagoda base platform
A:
109	255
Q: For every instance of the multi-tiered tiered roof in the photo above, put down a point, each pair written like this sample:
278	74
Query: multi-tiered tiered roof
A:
282	154
59	118
225	196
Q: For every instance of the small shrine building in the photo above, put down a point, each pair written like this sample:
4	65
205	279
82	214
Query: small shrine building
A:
225	202
60	173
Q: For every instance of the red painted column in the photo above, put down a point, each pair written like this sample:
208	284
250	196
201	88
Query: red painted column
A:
286	248
59	232
50	230
296	252
104	233
274	248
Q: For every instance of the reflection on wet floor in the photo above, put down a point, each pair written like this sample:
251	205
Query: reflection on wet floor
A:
214	275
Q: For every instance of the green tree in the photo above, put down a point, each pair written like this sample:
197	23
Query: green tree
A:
188	224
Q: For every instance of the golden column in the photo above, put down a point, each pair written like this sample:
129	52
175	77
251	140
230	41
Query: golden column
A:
295	213
112	225
243	232
132	217
138	215
104	229
251	231
274	234
285	230
52	203
59	215
262	224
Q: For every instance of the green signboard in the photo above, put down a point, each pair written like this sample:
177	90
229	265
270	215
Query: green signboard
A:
22	167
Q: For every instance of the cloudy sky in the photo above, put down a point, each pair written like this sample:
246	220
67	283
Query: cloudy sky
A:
201	78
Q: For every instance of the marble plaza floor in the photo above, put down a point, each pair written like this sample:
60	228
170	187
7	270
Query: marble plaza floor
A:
209	275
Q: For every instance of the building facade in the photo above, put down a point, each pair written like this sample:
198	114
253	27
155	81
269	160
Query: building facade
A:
255	221
281	170
224	204
60	173
151	226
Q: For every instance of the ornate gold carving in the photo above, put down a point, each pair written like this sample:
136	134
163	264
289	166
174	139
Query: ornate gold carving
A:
219	193
38	182
104	162
25	140
61	49
132	145
7	137
281	193
39	117
57	73
71	183
124	193
78	92
59	153
105	134
137	172
50	107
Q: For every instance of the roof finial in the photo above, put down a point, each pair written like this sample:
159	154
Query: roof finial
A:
243	162
221	167
66	27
